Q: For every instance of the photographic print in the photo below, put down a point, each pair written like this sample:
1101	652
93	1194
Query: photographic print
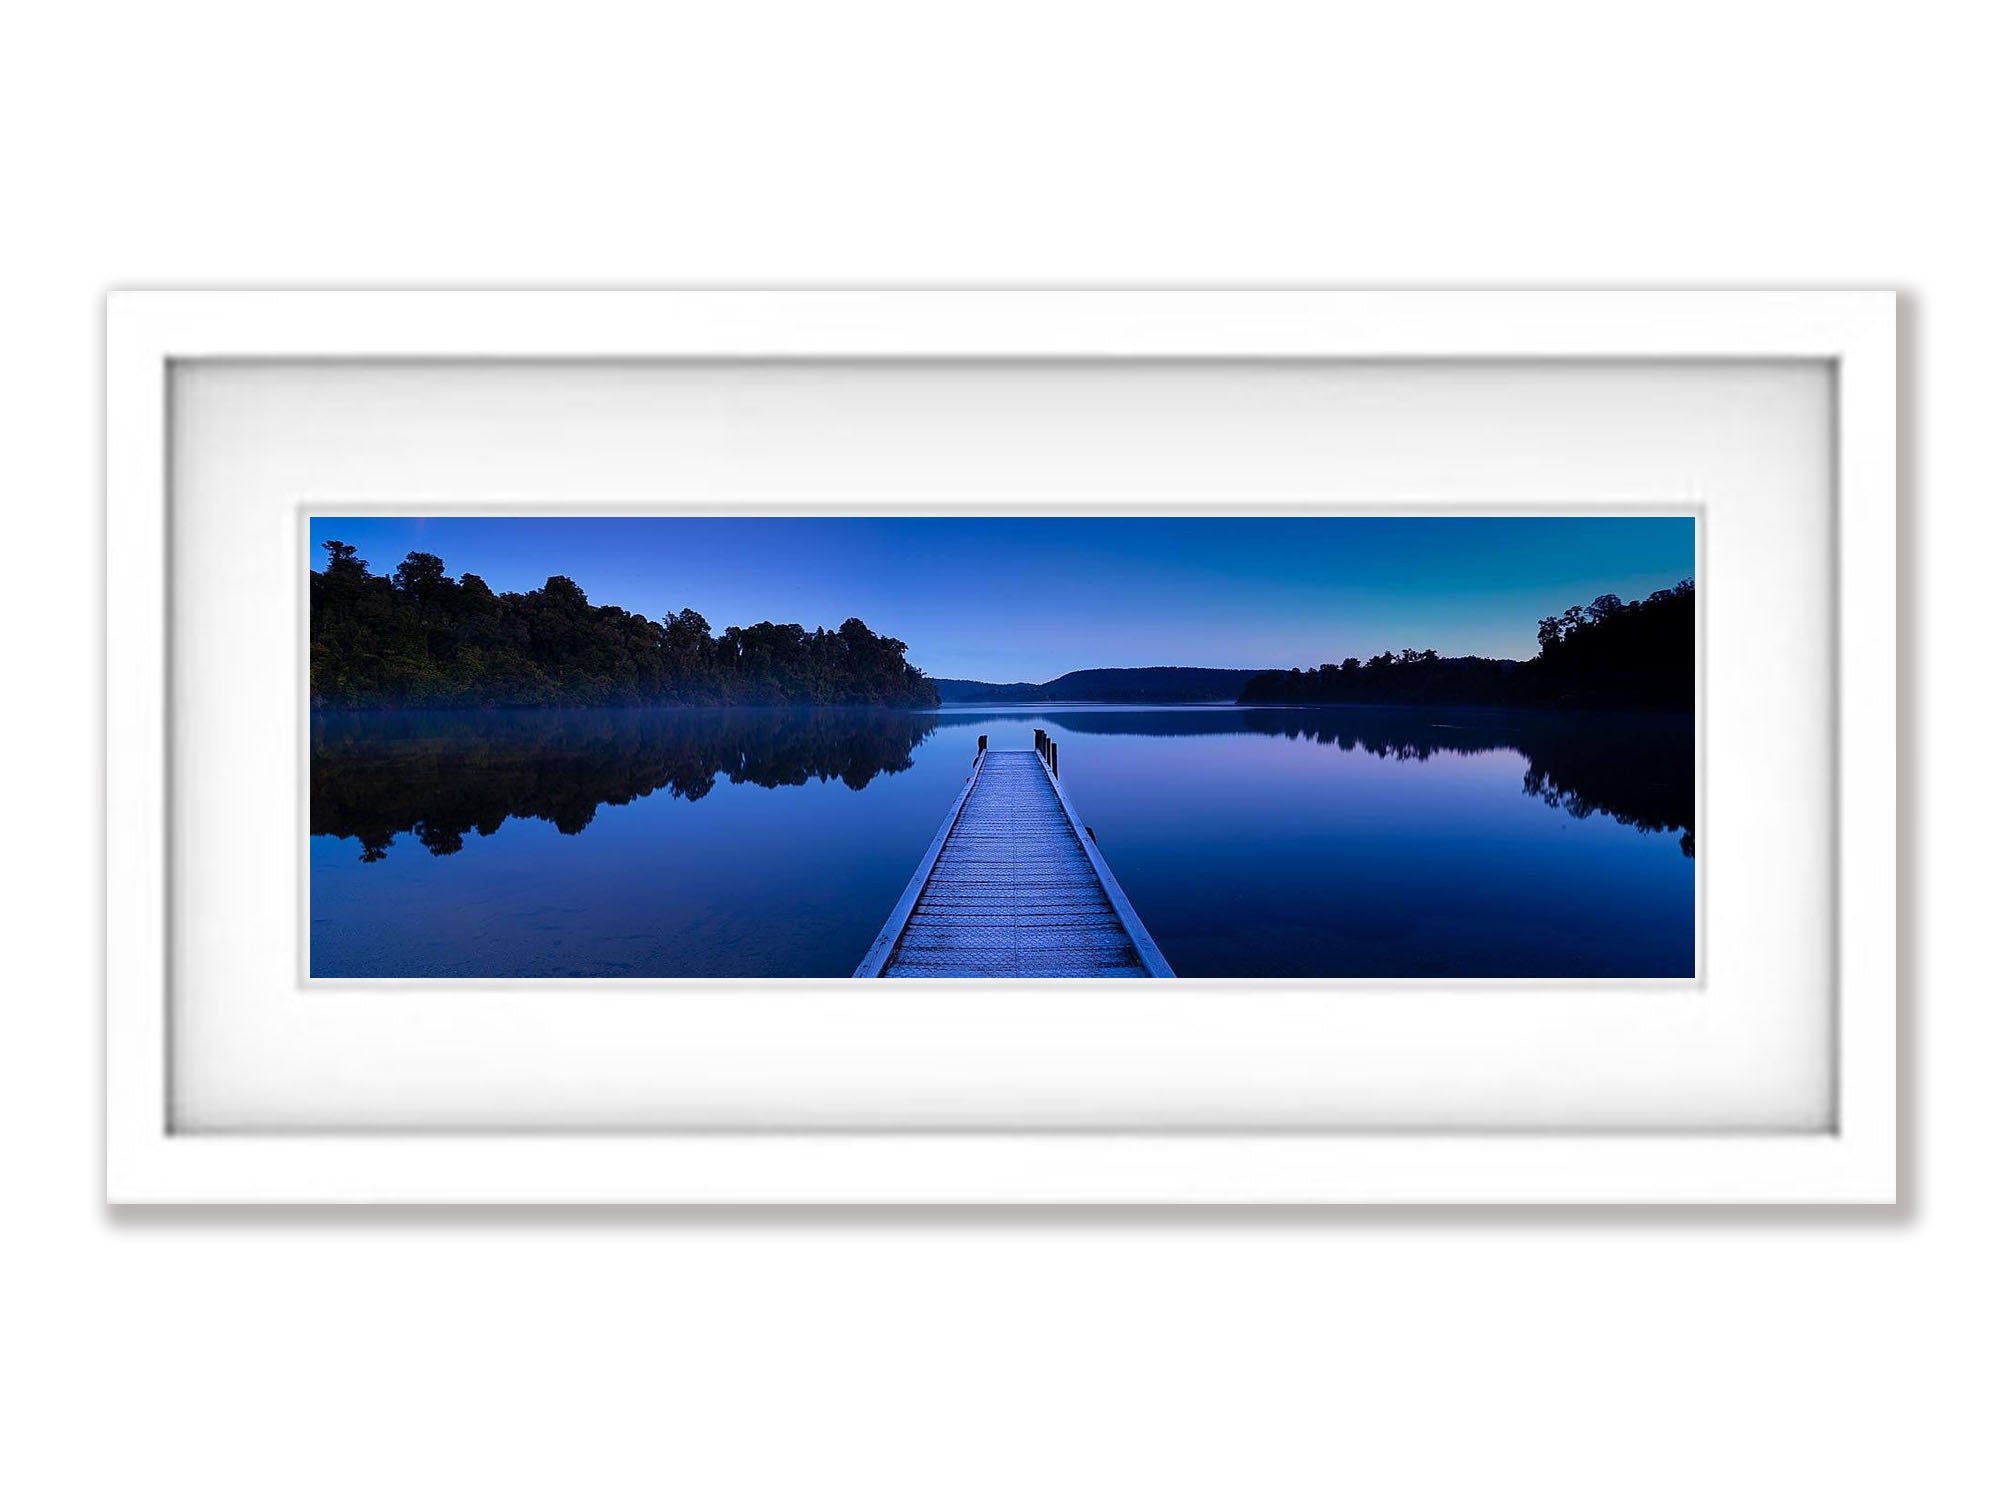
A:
1008	746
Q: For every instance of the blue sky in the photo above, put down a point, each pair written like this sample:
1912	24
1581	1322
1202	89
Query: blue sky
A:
1007	599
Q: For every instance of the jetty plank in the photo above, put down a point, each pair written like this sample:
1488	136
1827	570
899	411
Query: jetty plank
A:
1013	887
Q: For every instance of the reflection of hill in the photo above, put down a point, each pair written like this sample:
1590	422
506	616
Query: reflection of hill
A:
1635	768
442	775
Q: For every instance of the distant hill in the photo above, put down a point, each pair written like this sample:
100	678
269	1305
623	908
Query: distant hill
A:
964	690
1106	685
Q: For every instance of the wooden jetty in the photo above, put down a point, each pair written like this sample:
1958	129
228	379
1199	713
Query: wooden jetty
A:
1013	887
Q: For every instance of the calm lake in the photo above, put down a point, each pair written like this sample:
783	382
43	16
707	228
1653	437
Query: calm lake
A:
1380	842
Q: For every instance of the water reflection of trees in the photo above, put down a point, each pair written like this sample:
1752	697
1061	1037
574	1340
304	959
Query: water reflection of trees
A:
444	775
1637	769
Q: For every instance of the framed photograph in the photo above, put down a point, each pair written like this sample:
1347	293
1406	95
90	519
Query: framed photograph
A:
719	747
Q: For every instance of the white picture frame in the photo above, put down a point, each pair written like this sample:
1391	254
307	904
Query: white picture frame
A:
1852	1160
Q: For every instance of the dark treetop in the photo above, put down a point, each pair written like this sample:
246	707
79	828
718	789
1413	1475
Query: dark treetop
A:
423	639
1605	654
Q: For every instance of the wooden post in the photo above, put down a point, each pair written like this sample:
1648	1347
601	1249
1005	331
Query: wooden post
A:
1054	769
982	742
1041	743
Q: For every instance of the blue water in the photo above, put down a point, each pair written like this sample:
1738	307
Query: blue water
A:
1253	842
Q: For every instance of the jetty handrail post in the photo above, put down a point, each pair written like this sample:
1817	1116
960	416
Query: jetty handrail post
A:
1150	957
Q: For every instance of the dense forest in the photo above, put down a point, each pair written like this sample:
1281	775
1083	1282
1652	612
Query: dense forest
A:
1610	653
421	638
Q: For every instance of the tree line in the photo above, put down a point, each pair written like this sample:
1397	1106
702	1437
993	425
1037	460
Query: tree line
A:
1610	653
420	638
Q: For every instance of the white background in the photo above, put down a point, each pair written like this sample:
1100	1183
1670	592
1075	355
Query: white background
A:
1746	442
1580	1353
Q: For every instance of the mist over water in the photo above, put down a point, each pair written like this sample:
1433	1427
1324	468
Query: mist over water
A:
1254	842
